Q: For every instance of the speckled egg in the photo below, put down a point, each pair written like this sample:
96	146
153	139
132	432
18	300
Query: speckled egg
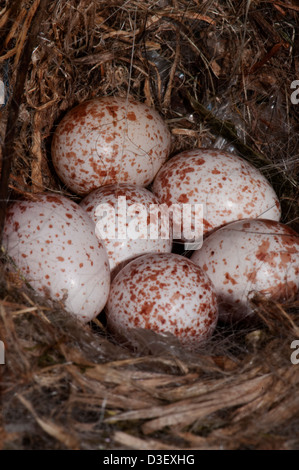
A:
247	257
166	293
52	242
109	140
228	187
127	218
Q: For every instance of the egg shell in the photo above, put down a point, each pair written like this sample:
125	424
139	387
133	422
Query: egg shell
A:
247	257
166	293
228	187
52	242
141	212
109	140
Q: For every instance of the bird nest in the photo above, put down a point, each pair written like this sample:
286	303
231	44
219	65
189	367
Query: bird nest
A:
222	75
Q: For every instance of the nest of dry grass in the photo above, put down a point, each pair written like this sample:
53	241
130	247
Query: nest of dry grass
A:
220	73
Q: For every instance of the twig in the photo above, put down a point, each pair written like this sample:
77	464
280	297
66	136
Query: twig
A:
167	96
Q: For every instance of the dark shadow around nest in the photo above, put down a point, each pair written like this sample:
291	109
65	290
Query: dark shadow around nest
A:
220	74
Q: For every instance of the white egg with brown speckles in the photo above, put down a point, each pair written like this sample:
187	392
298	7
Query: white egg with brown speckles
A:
165	293
53	243
228	187
109	140
248	257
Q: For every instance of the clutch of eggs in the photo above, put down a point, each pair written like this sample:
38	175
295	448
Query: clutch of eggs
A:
109	140
247	257
165	293
53	243
227	186
126	218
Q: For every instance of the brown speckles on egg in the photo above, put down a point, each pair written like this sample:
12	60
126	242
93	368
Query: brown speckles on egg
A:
229	278
228	187
246	257
183	198
56	200
109	140
263	250
131	116
164	293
